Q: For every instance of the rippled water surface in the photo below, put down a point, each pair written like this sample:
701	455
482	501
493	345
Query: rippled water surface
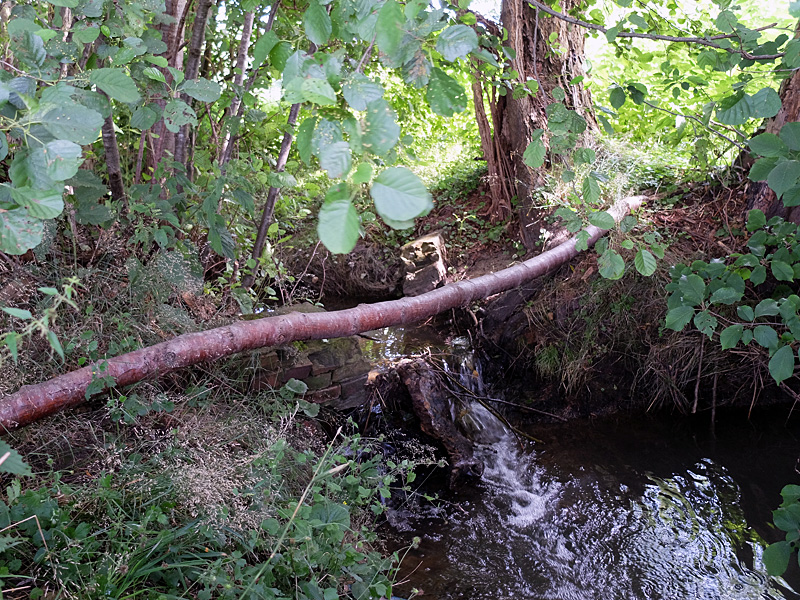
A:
616	509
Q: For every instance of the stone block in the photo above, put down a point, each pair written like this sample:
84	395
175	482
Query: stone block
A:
265	380
269	360
354	368
425	280
299	370
334	355
325	395
318	382
354	385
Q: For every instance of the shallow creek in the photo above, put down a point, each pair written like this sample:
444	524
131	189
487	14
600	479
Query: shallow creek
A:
646	508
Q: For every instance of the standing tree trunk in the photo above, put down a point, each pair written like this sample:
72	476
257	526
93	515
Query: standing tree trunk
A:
760	195
232	111
552	64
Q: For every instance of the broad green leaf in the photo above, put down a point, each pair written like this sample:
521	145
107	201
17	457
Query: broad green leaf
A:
745	312
116	83
400	195
776	558
143	118
735	110
58	160
19	232
338	226
317	23
202	89
791	197
87	35
782	271
381	131
602	219
706	323
325	133
787	517
781	365
645	262
534	154
765	103
759	275
74	123
768	144
693	289
335	159
611	265
263	47
766	336
755	220
725	295
363	173
12	461
784	176
154	74
177	113
389	27
730	336
617	97
359	90
304	136
318	91
456	42
591	190
790	134
584	156
761	169
445	95
679	317
42	204
280	54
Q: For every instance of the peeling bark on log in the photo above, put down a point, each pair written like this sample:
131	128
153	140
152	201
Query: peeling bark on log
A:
429	400
33	402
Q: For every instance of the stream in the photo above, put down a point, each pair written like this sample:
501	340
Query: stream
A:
645	508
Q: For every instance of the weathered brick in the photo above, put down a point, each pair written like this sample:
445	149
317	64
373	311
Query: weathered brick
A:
325	395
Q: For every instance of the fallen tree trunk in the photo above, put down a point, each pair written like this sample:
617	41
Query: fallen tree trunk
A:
33	402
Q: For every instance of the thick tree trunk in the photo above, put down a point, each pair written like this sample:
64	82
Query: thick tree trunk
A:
552	65
34	402
760	195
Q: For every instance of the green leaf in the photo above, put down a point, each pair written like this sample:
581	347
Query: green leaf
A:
787	518
389	27
746	313
584	156
381	129
12	462
755	220
456	42
790	134
42	204
202	89
759	275
706	323
143	118
19	231
400	195
177	113
726	295
781	365
359	90
734	110
768	144
73	122
730	336
782	271
335	159
318	91
263	47
679	317
58	160
617	97
765	104
776	558
766	336
363	173
784	176
445	95
52	339
19	313
693	289
602	219
761	169
338	226
645	262
611	265
317	23
591	190
304	136
534	154
116	83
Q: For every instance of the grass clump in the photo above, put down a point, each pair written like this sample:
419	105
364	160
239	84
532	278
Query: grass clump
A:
209	495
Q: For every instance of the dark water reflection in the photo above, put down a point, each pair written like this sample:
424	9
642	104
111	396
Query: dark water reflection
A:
615	509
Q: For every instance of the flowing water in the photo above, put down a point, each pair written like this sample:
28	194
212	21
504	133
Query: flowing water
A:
615	509
644	508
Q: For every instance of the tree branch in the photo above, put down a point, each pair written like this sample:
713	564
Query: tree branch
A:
693	118
666	38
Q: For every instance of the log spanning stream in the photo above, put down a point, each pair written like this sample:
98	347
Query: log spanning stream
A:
643	508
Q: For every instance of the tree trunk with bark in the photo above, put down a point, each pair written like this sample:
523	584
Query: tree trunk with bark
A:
552	64
34	402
